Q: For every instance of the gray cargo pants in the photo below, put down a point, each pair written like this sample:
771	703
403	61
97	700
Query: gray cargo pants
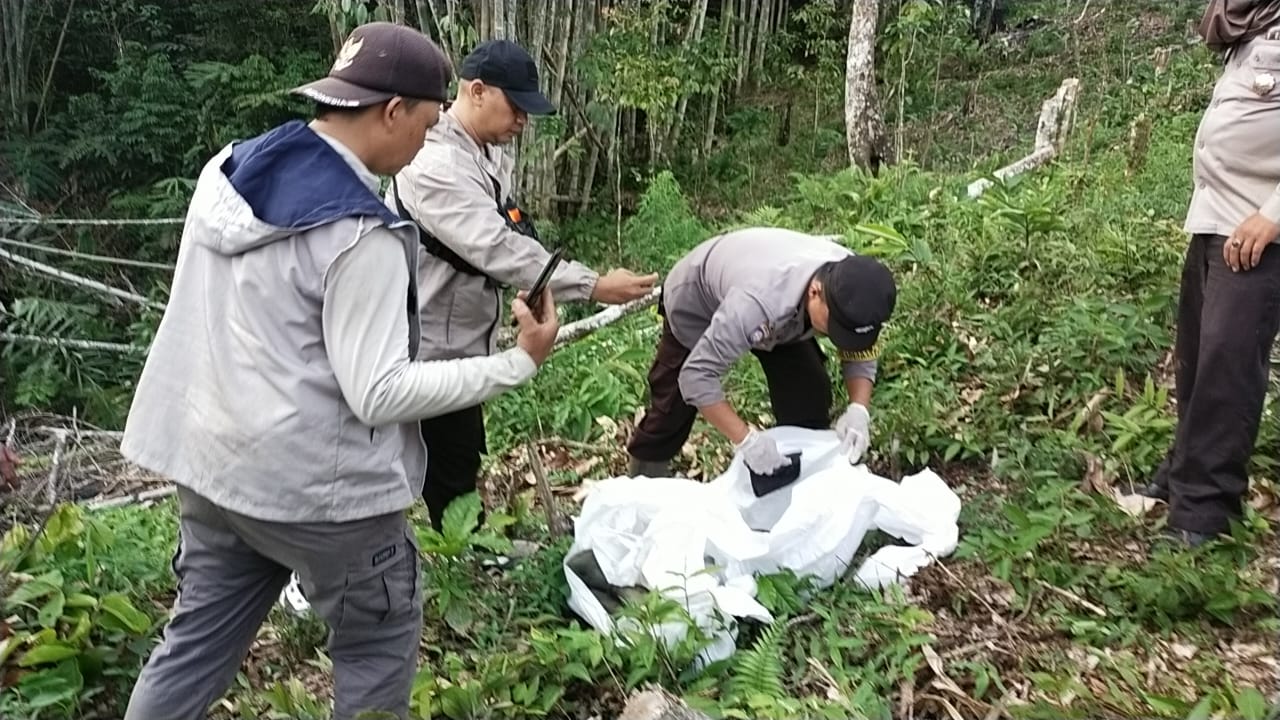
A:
361	577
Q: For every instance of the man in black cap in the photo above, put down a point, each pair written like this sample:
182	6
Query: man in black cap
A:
475	240
767	291
282	397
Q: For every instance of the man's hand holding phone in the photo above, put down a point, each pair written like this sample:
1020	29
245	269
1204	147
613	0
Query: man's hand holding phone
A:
537	333
535	313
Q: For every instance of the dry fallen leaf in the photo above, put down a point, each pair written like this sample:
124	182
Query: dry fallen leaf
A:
1095	476
584	490
1136	505
1184	651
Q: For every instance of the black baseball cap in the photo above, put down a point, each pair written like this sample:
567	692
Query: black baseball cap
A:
504	64
860	294
379	61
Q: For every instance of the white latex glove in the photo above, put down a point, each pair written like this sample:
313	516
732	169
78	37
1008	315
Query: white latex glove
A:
854	430
760	453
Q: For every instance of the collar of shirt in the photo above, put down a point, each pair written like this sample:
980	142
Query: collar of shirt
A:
357	165
492	159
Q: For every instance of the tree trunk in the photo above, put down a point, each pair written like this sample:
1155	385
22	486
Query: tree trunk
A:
762	35
335	29
509	22
747	37
692	36
395	10
726	31
432	17
555	92
864	126
16	61
499	14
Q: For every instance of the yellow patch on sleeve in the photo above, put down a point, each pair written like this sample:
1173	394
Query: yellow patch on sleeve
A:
870	353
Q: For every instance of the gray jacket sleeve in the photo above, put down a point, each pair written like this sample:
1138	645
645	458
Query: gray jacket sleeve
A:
727	338
460	209
858	366
366	333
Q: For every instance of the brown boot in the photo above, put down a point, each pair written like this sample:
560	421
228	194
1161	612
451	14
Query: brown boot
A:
648	468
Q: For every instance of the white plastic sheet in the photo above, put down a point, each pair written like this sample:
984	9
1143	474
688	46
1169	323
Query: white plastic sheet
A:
702	544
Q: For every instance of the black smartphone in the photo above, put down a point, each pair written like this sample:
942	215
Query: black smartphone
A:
534	298
762	485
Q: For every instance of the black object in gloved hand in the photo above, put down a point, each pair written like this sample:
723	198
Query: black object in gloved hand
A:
762	485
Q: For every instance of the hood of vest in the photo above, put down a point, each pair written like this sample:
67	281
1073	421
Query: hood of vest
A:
278	184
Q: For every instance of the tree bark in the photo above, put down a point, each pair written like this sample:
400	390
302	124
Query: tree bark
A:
747	37
762	35
713	112
864	125
692	36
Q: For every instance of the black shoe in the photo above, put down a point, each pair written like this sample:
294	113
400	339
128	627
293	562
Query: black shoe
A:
648	468
1182	539
1155	491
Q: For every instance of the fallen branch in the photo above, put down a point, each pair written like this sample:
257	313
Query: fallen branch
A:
554	526
87	221
131	499
581	328
51	486
71	343
568	333
73	279
1056	118
1095	609
107	434
85	256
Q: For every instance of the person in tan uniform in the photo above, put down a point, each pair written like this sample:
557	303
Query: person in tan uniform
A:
458	190
769	292
1229	302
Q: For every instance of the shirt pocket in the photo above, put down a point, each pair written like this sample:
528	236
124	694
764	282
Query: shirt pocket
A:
1260	73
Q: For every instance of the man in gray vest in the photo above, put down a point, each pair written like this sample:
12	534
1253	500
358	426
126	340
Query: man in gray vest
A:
282	396
458	189
1229	300
766	291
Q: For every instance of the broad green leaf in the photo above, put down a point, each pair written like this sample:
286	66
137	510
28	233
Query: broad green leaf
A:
64	525
120	613
458	616
1251	704
12	643
51	610
492	542
36	588
1202	710
576	670
84	623
461	518
45	654
56	686
81	600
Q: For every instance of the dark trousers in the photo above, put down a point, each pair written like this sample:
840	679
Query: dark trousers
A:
799	390
1227	322
455	443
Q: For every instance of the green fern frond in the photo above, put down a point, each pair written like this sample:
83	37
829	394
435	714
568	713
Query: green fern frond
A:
758	671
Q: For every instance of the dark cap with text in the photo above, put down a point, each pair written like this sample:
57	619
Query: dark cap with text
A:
860	294
379	61
504	64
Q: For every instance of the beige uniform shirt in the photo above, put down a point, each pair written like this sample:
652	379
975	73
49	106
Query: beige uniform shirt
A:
448	189
743	291
1237	150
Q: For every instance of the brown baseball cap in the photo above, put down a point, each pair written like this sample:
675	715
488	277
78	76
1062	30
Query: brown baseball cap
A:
379	61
